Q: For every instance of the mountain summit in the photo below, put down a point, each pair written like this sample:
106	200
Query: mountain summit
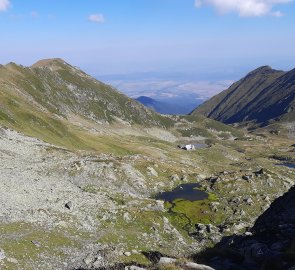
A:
263	96
53	62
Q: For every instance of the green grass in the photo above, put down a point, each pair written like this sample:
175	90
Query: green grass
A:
145	231
195	131
220	127
185	214
17	242
6	118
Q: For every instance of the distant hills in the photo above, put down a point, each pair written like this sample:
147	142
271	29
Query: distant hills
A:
262	97
169	105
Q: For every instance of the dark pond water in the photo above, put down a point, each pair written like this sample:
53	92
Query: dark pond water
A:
289	165
188	192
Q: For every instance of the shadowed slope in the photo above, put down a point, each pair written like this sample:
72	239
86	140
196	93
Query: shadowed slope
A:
264	95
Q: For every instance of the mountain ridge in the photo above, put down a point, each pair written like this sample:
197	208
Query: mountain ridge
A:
43	79
42	100
255	98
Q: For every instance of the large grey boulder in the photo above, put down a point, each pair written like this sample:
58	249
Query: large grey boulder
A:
196	266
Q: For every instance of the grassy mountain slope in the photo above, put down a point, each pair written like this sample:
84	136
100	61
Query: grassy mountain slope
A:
44	100
63	90
264	95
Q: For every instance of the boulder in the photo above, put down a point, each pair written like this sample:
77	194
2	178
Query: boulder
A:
196	266
174	177
166	260
133	267
99	262
88	260
2	255
12	260
248	201
69	205
247	177
36	243
152	172
261	171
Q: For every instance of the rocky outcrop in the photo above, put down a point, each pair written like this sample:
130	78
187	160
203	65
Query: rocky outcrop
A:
270	244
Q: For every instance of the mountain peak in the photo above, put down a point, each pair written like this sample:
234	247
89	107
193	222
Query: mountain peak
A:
265	95
262	70
52	62
11	65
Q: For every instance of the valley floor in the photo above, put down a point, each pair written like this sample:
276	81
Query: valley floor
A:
62	209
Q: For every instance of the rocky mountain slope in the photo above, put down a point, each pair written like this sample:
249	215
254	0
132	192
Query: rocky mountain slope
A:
269	244
63	209
262	97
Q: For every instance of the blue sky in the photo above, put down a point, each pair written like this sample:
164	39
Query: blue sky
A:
218	38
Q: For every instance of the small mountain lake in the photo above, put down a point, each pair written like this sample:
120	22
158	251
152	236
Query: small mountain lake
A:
289	165
188	192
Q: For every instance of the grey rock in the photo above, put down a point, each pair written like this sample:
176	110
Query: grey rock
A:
88	261
69	205
261	171
235	200
166	260
196	266
12	260
249	201
36	243
152	172
98	262
202	176
2	255
126	217
200	227
214	208
133	267
267	199
2	132
247	177
174	177
210	228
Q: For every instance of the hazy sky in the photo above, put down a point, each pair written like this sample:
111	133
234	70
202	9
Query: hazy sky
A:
126	36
